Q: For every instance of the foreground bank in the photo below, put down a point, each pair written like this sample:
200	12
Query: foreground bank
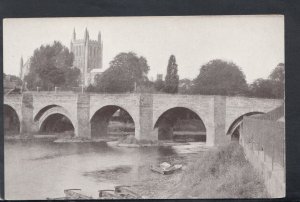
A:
221	172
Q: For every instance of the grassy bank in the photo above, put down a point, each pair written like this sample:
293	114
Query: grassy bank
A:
220	173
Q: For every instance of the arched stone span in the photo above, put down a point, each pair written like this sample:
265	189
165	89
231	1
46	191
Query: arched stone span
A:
101	118
57	123
128	102
42	111
238	106
182	120
42	101
54	110
232	130
11	119
15	102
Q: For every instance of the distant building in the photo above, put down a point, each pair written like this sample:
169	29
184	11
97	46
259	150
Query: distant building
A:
11	84
159	77
87	56
8	83
93	73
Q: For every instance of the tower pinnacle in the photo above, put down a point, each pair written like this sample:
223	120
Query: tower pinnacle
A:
21	67
86	35
74	34
99	36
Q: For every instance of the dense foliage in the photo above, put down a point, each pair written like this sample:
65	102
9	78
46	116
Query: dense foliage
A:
51	66
126	72
159	85
273	87
219	77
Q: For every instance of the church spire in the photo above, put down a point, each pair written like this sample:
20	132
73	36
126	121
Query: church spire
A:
86	35
99	36
21	61
74	34
21	67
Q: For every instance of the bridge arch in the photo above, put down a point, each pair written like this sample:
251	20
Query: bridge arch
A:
38	115
101	119
180	123
11	119
54	118
234	127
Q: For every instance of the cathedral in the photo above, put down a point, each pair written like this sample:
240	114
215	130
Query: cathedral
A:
87	57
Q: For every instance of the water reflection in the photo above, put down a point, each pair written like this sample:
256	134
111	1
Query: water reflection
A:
41	169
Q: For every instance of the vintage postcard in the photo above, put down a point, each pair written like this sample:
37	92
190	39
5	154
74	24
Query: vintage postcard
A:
144	107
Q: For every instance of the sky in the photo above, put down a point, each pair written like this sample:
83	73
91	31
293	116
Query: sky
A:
254	43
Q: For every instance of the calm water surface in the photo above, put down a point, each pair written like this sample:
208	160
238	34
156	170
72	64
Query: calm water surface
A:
37	170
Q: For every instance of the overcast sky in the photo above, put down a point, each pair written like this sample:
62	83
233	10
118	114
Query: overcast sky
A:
254	43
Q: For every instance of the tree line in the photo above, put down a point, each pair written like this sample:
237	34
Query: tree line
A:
52	66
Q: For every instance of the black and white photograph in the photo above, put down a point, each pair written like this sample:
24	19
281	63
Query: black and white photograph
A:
144	107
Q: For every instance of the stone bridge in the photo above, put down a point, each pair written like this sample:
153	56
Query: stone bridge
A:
219	114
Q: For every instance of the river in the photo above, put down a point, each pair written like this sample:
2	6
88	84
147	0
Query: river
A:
41	169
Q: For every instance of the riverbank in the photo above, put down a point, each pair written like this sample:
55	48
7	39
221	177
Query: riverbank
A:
218	173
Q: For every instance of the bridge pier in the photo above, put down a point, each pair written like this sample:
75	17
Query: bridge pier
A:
220	121
27	124
144	129
83	126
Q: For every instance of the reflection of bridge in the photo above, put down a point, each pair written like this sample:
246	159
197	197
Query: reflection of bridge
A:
220	114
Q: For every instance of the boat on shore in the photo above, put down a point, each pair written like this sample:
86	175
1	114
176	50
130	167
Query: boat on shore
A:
120	192
165	168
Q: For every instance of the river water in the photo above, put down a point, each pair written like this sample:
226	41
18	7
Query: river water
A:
41	169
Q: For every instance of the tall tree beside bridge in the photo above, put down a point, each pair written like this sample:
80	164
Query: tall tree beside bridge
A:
51	66
278	78
219	77
126	72
272	87
172	78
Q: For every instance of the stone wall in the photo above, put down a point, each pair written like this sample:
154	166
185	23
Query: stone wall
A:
264	145
26	125
83	127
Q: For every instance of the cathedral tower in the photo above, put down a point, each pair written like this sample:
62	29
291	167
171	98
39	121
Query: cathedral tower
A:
87	55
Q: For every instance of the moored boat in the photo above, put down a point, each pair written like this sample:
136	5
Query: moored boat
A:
165	168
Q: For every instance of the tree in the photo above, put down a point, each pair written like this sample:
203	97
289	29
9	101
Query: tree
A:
262	88
159	85
185	86
278	79
72	77
50	66
273	87
219	77
172	78
126	71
